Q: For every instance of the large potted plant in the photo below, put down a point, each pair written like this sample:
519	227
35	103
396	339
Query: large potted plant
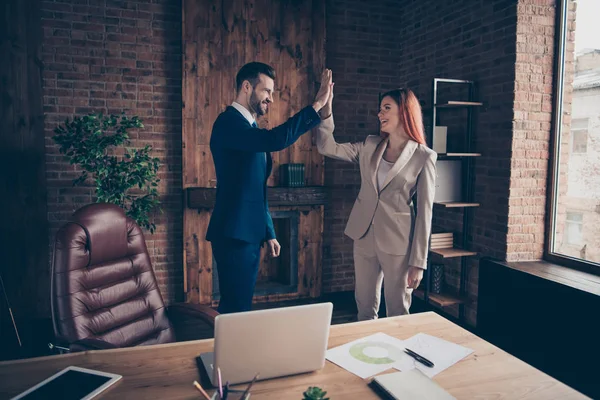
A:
98	145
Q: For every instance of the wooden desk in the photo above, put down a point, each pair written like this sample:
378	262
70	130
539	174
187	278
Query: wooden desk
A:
167	371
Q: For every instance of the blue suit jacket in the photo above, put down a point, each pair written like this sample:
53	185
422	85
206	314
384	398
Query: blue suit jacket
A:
243	164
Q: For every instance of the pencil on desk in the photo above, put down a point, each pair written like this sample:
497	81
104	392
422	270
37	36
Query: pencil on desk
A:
220	382
201	390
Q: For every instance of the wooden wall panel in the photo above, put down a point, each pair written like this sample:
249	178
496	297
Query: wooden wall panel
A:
218	38
311	244
197	258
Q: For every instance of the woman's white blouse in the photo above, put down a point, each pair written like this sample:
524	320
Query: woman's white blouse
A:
382	171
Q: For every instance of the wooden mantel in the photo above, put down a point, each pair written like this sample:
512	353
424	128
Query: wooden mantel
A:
204	198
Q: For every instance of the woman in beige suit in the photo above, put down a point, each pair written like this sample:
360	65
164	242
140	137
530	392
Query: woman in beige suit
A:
390	222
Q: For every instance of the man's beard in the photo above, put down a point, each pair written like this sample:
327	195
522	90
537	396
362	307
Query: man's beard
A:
255	105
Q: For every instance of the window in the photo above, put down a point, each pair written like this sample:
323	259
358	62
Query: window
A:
579	135
574	228
574	231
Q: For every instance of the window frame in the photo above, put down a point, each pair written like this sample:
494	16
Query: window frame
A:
555	147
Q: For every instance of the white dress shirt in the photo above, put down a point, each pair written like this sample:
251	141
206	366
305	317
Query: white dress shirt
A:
244	111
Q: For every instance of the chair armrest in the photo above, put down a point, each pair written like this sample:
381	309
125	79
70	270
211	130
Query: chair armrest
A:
91	344
180	312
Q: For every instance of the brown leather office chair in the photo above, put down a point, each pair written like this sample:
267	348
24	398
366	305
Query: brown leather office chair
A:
104	293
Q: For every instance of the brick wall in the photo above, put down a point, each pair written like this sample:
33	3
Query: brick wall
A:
113	56
531	128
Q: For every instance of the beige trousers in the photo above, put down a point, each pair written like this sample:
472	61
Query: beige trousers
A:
371	266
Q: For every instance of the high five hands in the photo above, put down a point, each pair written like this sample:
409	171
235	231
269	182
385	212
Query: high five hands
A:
327	108
324	93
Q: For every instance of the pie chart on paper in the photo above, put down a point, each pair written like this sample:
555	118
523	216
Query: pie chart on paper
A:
370	355
378	353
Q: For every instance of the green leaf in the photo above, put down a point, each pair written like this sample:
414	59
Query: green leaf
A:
92	142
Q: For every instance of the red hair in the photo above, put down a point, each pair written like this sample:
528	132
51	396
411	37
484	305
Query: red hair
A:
411	116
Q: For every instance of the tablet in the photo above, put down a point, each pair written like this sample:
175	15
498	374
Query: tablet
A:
72	383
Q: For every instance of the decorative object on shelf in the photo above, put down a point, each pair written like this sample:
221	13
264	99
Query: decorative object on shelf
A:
291	175
437	278
439	139
126	177
314	393
448	181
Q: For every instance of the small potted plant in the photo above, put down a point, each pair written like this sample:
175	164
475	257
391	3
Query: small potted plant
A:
314	393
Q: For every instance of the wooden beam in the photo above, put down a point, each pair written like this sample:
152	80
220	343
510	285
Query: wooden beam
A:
204	198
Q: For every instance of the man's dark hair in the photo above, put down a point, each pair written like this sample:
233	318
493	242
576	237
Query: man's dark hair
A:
250	73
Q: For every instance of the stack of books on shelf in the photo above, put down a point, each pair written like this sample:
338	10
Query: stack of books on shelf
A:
442	240
292	175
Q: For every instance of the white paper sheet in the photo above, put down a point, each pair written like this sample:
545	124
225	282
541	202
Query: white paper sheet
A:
441	353
370	355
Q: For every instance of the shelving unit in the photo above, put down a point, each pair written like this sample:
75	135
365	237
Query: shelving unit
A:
442	299
467	156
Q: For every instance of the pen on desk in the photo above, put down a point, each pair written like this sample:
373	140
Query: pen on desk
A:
220	382
197	385
419	358
247	391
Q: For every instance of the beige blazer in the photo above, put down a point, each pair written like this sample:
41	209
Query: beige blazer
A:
399	229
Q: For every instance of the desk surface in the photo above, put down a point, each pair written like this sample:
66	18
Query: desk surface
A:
167	371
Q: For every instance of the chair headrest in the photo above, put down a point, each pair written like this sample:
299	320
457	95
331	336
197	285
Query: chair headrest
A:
106	227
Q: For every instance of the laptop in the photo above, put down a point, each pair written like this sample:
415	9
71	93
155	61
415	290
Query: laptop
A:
273	343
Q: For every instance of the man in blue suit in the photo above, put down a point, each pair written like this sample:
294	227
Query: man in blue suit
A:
241	221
